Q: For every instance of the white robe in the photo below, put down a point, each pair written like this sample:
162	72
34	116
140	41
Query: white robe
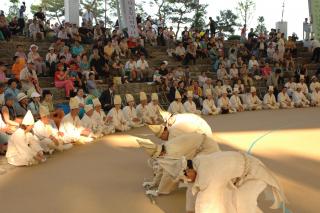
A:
43	132
154	112
72	128
224	103
176	107
215	189
22	148
188	123
285	101
100	125
253	102
315	98
119	122
300	100
130	113
291	87
143	112
235	103
209	108
191	107
269	102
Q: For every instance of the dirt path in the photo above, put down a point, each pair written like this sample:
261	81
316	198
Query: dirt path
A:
106	177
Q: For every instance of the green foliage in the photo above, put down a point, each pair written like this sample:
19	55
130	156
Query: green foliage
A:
96	7
245	9
234	38
227	21
261	27
198	18
13	9
52	8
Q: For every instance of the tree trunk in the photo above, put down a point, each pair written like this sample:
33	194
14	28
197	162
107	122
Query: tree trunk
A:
58	18
178	27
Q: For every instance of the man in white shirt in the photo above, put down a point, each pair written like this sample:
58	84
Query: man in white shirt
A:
176	106
130	113
313	83
180	52
253	102
102	123
190	106
306	29
142	109
28	77
209	107
269	100
224	103
118	119
235	101
154	109
284	100
299	99
315	97
71	127
34	30
291	86
143	69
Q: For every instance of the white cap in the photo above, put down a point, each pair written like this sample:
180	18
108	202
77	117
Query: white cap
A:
21	96
313	77
236	90
117	100
129	98
253	89
301	77
51	48
166	62
224	91
33	45
190	94
177	96
74	103
43	111
208	92
35	95
88	107
28	119
270	88
96	102
154	97
143	96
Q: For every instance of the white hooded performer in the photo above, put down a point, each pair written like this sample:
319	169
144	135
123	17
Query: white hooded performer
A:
315	96
224	103
102	123
130	113
235	101
71	126
188	145
221	187
154	109
209	108
190	106
284	100
299	98
142	109
269	100
253	102
177	125
48	134
87	121
176	106
119	122
23	147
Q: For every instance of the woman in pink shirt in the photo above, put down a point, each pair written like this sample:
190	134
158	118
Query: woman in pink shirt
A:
61	80
266	71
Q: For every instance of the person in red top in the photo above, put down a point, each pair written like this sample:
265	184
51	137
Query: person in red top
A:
61	80
266	71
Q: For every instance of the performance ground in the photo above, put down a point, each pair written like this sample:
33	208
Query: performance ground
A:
106	177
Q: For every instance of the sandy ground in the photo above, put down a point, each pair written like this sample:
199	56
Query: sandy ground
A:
106	177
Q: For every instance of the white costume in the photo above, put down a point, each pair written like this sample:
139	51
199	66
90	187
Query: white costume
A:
224	103
176	107
235	101
154	109
284	101
208	106
119	122
130	113
221	187
299	99
190	106
101	124
142	109
23	147
253	102
71	127
315	97
269	101
291	86
187	145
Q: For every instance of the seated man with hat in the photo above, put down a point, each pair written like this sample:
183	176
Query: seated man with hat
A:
315	97
154	109
176	106
118	120
235	101
299	98
253	101
209	108
224	103
269	100
130	113
142	109
284	100
102	123
190	106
